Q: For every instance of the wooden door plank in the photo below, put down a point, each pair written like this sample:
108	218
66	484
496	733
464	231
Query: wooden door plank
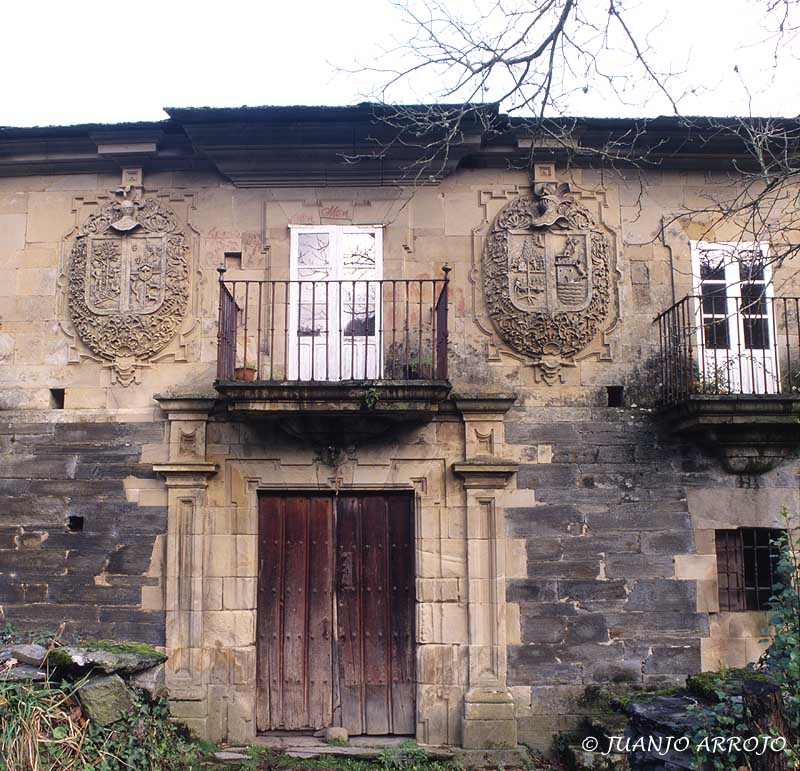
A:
376	614
401	596
320	613
295	614
349	621
269	632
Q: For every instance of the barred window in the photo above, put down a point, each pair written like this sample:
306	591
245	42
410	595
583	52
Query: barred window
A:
746	563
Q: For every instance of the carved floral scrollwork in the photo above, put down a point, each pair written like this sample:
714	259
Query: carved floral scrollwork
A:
547	275
128	283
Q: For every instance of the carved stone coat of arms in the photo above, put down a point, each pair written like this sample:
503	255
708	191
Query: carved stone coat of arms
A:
128	283
547	274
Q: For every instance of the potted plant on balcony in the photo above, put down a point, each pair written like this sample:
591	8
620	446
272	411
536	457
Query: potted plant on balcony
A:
408	363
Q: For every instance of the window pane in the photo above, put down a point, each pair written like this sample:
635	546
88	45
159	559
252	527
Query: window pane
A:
754	302
313	320
712	265
358	308
361	326
359	255
756	333
313	249
715	334
751	265
714	299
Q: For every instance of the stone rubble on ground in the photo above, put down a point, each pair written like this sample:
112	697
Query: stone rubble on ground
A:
20	673
106	694
227	756
31	654
105	699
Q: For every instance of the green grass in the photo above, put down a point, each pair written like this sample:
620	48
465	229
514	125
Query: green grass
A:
405	757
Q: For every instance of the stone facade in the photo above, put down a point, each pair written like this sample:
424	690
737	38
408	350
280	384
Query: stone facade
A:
560	543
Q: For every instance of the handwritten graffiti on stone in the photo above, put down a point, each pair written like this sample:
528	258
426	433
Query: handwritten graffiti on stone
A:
547	273
128	282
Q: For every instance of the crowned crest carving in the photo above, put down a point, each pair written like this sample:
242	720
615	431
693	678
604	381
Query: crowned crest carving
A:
547	275
128	283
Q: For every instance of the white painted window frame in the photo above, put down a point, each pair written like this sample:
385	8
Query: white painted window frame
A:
372	347
747	370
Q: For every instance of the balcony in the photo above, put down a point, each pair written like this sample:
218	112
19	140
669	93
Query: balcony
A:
334	361
729	375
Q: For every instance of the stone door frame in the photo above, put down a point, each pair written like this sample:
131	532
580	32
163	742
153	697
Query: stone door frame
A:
211	565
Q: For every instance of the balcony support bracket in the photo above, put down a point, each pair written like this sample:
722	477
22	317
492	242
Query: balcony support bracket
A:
336	414
749	434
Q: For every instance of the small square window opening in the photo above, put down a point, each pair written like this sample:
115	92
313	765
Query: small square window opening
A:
616	395
746	566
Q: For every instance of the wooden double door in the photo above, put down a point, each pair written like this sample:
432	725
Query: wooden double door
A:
335	633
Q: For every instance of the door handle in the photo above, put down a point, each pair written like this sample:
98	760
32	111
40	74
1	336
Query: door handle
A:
325	634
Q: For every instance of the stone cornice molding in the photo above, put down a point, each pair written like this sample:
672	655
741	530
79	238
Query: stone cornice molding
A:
186	407
498	402
485	473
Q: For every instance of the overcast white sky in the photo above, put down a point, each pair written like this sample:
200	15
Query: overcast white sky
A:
79	62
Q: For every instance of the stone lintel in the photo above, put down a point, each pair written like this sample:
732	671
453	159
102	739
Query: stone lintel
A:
485	473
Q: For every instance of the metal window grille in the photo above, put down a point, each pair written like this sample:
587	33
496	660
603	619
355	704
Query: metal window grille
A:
746	563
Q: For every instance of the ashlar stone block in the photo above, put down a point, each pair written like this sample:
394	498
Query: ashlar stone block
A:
229	628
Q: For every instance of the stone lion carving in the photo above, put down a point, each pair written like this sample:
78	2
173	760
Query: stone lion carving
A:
128	283
547	275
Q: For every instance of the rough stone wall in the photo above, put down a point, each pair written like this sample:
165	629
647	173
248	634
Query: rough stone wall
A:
91	580
620	583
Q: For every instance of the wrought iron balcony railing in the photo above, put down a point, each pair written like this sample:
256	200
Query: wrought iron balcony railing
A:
304	330
729	343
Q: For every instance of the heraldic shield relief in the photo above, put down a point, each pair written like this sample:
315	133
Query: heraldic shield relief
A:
128	283
547	274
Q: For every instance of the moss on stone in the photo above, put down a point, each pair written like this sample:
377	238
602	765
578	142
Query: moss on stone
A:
644	694
704	685
122	646
58	657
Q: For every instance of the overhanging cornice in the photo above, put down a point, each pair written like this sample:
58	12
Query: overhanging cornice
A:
321	146
361	145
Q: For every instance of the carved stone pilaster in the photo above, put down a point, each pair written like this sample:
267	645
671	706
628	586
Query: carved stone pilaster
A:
489	720
186	474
